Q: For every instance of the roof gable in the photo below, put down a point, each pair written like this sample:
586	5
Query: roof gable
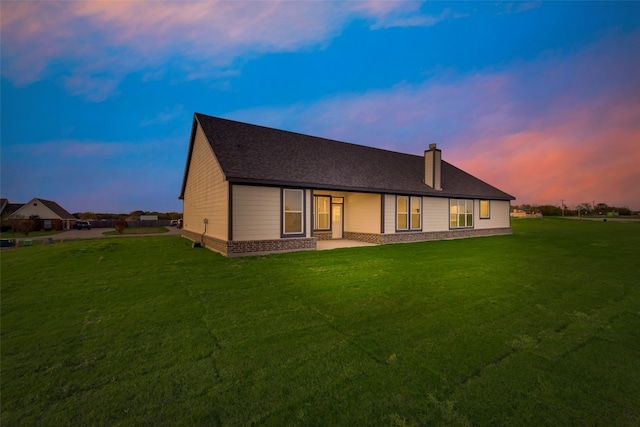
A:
57	211
7	207
256	154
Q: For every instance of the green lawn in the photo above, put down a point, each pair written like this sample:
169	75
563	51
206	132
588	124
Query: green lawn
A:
538	328
12	235
139	230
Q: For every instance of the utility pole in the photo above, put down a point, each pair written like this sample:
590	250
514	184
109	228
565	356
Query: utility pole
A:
562	206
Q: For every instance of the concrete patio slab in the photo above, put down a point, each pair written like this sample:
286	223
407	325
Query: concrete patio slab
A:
323	245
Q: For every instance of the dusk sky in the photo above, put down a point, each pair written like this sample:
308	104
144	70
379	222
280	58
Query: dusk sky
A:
541	99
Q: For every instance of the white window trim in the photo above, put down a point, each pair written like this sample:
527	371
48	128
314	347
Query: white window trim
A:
408	213
419	200
465	204
488	216
316	213
301	212
398	213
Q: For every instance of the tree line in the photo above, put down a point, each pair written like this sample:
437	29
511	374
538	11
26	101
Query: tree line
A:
586	208
131	215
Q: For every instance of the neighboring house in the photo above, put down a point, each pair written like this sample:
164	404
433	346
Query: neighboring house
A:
519	213
52	215
251	190
7	208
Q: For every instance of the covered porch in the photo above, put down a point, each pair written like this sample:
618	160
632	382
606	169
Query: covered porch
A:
342	216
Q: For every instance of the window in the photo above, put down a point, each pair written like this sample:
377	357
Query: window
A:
293	210
485	211
408	213
416	216
460	213
402	204
321	212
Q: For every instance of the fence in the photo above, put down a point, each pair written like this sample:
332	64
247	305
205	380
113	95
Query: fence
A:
111	223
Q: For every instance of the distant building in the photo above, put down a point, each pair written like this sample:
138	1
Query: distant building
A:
519	213
52	215
7	208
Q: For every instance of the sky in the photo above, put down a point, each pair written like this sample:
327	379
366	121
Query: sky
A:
539	99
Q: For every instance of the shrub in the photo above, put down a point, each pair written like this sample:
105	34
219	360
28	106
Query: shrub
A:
37	226
121	224
23	225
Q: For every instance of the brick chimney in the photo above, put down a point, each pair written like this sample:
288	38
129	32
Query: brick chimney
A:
432	167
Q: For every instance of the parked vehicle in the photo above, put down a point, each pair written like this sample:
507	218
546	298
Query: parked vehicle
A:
174	222
83	224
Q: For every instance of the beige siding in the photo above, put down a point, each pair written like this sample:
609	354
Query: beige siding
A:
362	213
433	169
435	214
39	209
256	212
206	193
308	195
438	173
499	212
389	213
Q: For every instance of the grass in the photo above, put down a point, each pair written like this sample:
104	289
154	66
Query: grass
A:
538	328
139	230
12	235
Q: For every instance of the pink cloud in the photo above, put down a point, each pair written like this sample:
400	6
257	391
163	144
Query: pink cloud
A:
578	136
543	167
559	127
387	14
106	40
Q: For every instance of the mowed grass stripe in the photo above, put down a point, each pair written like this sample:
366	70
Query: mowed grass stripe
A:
541	327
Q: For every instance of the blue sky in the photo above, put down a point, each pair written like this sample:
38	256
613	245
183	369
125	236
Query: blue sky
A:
541	99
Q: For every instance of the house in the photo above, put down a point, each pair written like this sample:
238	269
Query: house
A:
519	213
7	208
250	190
52	215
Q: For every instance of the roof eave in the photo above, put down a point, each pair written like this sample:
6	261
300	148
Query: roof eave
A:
432	193
189	154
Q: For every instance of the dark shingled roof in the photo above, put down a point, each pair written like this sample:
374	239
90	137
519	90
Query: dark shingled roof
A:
260	155
7	208
57	209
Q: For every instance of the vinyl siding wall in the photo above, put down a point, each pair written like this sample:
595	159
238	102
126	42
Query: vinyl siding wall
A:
389	213
362	213
257	213
435	214
206	193
40	209
499	212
